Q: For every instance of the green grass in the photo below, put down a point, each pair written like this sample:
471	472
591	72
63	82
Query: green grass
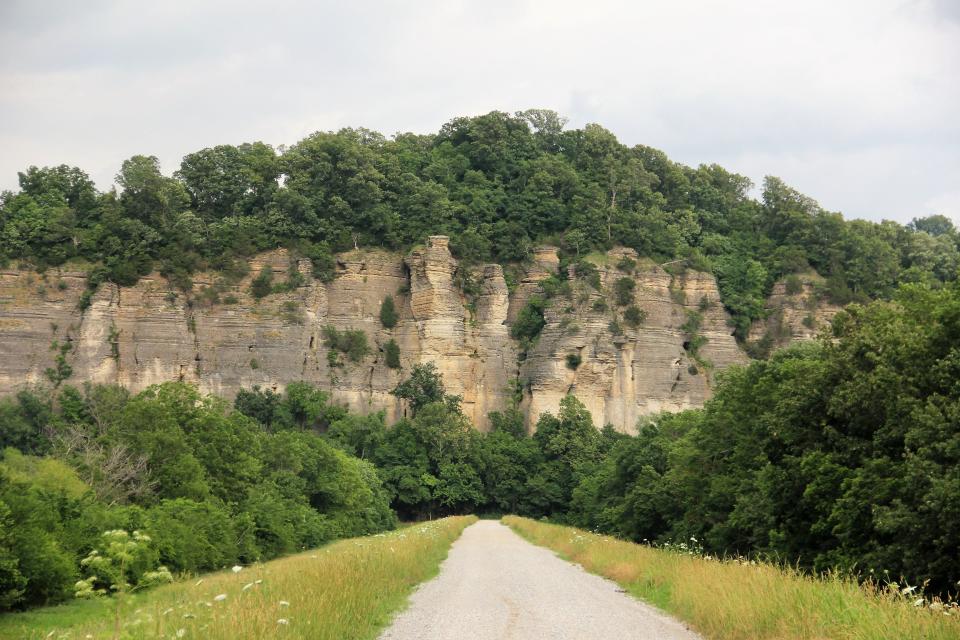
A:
740	600
349	589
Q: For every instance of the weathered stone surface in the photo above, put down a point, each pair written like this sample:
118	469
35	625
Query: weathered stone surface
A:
644	370
793	316
149	333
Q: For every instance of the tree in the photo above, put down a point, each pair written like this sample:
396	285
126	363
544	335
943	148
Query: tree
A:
423	387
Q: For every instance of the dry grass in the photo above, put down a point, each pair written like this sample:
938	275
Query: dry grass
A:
741	600
349	589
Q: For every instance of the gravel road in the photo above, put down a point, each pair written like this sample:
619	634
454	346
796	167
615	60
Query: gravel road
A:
495	584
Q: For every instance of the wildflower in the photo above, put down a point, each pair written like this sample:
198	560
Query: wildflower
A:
198	582
918	602
220	598
247	586
166	611
181	633
257	581
284	603
907	590
188	615
283	621
237	568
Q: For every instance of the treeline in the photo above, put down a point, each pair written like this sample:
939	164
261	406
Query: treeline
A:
841	454
210	486
496	183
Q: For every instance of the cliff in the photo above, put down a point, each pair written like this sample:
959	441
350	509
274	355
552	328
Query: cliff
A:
221	338
795	311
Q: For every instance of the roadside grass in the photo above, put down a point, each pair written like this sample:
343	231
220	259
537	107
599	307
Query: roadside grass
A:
734	600
348	589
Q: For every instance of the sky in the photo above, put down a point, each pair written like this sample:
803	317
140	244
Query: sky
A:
854	102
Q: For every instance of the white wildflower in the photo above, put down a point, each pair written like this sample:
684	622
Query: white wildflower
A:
166	611
220	598
181	633
907	590
284	603
237	568
283	621
198	582
247	586
257	581
918	602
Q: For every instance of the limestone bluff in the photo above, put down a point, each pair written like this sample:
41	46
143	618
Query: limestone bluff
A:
141	335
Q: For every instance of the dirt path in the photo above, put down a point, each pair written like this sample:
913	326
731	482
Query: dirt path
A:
495	584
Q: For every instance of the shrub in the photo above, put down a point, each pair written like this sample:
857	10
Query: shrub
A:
599	305
392	354
626	264
530	322
350	342
623	290
587	271
573	360
615	328
388	313
262	285
634	316
793	285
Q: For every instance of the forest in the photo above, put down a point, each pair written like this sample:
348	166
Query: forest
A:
841	454
497	184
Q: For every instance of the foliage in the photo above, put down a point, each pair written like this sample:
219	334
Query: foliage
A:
354	586
530	321
634	316
840	454
262	285
350	342
623	291
497	184
391	354
207	485
388	313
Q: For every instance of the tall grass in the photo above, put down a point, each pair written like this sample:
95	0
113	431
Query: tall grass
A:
349	589
733	600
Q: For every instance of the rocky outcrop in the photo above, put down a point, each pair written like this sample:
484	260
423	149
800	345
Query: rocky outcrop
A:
794	311
626	372
221	338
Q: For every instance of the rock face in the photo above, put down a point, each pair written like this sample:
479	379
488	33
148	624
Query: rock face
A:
221	338
795	312
625	374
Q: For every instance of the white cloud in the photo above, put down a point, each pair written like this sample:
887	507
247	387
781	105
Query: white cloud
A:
852	102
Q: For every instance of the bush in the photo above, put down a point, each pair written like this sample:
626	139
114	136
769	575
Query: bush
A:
634	316
388	313
587	271
262	285
626	264
623	290
350	342
392	354
573	360
530	322
193	536
599	305
793	285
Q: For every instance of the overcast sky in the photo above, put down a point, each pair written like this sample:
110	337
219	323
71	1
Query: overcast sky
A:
854	102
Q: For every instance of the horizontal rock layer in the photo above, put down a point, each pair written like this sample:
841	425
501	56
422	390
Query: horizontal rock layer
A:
149	333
